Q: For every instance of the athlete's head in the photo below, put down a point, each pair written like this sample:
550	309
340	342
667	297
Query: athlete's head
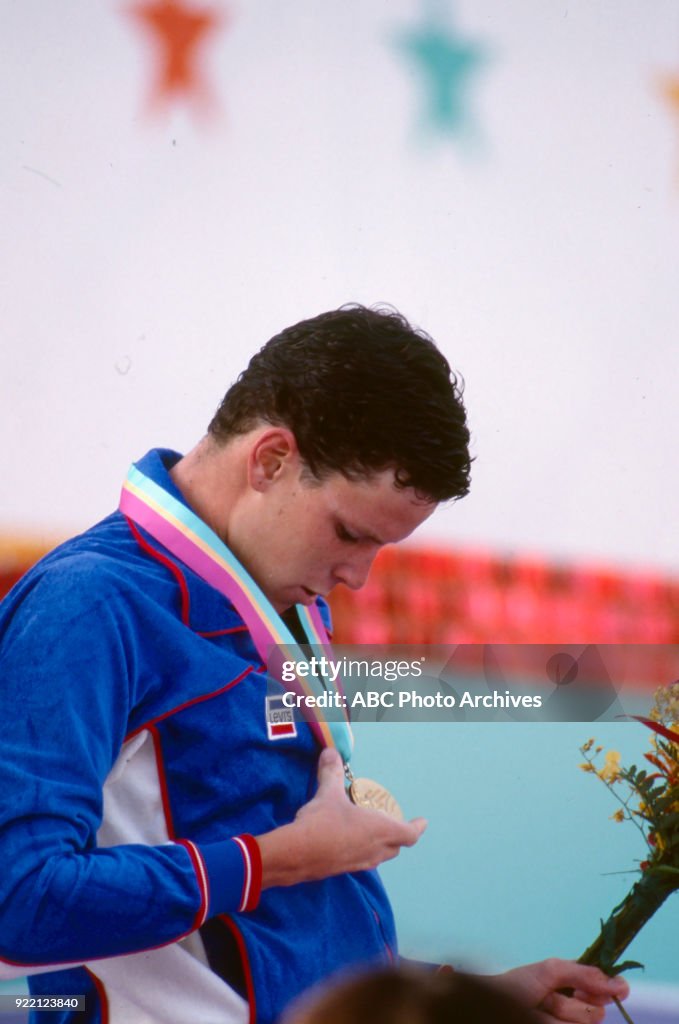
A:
362	391
406	995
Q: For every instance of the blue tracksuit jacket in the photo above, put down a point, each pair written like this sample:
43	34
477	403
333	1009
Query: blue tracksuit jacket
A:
134	756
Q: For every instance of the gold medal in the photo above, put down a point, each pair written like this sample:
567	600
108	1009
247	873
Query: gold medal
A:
369	794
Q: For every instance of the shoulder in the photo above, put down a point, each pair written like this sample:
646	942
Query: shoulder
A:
100	567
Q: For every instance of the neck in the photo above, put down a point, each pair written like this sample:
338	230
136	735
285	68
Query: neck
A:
210	477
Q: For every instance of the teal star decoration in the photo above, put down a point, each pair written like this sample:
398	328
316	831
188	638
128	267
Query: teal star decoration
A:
447	62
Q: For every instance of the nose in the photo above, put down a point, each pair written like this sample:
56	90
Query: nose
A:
355	572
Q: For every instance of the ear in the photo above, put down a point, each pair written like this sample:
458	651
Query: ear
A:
273	454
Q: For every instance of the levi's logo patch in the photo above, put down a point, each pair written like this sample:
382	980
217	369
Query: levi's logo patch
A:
280	721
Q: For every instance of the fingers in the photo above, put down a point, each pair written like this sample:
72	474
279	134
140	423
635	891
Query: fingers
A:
593	998
593	990
394	834
417	826
330	772
331	782
590	983
380	834
563	990
563	1008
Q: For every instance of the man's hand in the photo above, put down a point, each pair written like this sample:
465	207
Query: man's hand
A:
537	986
331	836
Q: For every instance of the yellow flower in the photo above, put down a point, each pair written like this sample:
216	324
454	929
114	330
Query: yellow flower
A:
619	815
656	840
587	746
611	769
666	704
587	767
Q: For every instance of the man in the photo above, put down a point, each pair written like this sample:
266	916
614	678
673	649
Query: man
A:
166	852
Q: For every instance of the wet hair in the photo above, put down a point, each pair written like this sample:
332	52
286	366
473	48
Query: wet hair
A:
408	995
362	391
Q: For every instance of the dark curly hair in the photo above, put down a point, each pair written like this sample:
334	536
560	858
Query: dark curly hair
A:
408	994
362	391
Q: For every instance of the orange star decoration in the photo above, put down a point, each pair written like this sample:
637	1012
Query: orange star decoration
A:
178	31
670	90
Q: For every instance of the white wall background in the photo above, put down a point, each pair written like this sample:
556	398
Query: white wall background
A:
143	260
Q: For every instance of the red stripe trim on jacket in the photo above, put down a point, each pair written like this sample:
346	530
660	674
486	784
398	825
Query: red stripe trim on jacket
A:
196	859
162	782
174	569
203	882
221	632
103	998
245	961
188	703
252	883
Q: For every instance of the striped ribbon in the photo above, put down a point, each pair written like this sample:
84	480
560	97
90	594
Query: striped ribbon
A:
189	539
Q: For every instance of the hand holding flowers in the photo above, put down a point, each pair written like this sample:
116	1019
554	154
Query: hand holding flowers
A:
650	800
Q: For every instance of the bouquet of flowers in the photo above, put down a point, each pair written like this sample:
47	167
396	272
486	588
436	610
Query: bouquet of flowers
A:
649	798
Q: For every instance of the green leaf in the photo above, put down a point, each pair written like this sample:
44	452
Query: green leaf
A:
628	965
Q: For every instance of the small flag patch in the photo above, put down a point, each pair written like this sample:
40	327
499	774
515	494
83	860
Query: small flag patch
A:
280	721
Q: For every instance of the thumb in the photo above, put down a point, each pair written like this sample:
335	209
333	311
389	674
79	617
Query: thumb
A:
330	772
419	824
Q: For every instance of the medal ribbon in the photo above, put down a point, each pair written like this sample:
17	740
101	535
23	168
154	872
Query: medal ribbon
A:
189	539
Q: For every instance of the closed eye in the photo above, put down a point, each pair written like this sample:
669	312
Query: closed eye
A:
345	534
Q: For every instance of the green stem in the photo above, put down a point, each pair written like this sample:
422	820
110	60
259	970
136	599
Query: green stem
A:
623	1011
627	920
